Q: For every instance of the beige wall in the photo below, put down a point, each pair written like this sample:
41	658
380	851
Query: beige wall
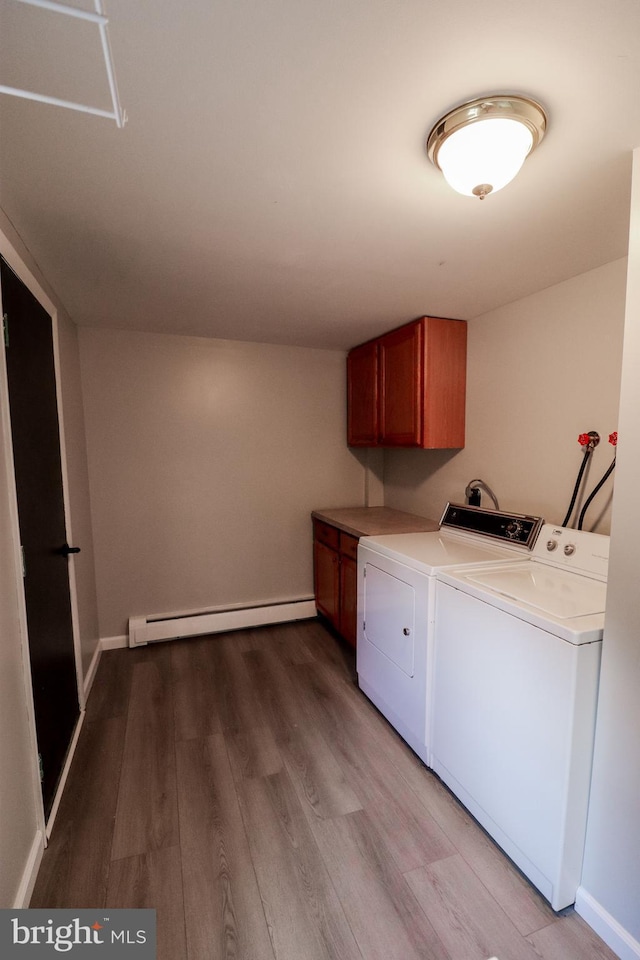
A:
541	371
206	458
611	880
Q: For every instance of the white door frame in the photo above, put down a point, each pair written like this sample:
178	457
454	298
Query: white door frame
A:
17	265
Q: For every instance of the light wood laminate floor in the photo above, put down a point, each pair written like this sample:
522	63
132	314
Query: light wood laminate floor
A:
244	787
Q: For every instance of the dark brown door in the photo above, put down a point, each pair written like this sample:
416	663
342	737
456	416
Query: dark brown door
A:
36	451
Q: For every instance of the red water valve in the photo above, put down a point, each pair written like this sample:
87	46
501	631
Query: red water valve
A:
590	440
613	438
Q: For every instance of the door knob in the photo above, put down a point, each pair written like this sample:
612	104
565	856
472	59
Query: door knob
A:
65	550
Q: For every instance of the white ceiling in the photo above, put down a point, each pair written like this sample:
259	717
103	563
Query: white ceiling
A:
271	183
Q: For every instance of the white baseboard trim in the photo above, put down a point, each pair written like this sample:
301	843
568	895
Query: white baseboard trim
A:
91	672
30	872
114	643
64	775
623	944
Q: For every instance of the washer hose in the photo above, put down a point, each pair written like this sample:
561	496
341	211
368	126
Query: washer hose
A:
589	441
587	453
594	491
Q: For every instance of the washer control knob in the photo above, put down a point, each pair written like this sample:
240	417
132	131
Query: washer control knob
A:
552	545
513	529
406	631
569	549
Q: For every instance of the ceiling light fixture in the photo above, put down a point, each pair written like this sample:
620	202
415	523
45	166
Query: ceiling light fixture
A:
481	145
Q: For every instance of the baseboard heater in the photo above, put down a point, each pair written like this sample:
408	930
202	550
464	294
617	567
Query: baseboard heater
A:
173	626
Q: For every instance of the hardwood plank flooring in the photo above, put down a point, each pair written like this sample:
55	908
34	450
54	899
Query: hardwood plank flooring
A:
153	880
412	835
304	914
110	697
386	919
527	910
75	868
466	917
97	764
147	813
194	703
316	774
243	786
570	936
80	845
223	908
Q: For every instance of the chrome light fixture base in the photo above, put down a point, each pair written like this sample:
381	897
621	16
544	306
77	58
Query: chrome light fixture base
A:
505	107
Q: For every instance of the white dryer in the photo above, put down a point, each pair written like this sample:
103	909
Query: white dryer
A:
516	671
396	605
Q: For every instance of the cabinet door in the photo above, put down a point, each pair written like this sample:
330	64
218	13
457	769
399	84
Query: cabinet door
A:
348	598
445	368
400	385
362	395
326	573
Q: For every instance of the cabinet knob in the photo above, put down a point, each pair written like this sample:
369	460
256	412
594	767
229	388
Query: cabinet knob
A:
407	631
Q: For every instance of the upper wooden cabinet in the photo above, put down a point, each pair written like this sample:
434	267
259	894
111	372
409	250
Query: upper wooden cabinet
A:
362	394
407	388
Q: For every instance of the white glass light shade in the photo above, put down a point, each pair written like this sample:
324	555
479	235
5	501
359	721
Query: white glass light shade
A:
481	145
485	156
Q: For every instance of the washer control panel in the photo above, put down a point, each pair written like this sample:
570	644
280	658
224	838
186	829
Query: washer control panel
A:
569	548
577	550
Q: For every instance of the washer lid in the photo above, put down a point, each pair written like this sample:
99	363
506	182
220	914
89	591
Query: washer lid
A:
559	593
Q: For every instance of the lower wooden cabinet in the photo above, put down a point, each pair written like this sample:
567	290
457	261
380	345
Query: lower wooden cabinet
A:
326	568
335	574
348	598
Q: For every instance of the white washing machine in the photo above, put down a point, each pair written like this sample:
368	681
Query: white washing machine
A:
516	670
396	605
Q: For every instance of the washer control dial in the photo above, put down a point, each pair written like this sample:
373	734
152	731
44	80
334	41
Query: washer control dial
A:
569	549
552	545
514	529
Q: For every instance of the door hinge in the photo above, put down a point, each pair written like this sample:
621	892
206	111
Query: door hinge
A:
24	562
40	767
5	328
